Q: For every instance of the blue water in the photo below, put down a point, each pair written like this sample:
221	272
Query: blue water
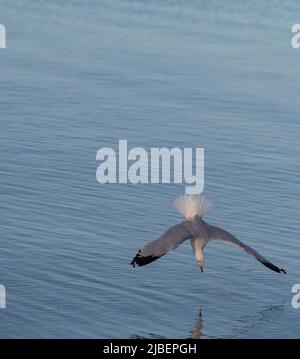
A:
80	75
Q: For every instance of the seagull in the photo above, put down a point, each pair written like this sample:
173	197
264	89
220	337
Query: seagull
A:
193	207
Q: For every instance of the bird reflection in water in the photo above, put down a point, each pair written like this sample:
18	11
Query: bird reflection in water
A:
198	326
195	333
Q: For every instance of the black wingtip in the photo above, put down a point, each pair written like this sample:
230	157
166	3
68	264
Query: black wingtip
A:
273	267
140	260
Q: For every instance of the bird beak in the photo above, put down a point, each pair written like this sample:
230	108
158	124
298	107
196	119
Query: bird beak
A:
202	268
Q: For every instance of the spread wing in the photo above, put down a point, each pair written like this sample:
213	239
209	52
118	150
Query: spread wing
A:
221	234
171	239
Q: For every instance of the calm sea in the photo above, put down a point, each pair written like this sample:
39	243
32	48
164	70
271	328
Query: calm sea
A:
80	75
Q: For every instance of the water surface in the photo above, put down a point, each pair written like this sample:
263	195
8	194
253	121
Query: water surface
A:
80	75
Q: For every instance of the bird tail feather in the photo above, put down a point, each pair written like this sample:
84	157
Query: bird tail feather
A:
190	205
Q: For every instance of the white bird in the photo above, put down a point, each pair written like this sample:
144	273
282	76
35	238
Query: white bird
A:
193	208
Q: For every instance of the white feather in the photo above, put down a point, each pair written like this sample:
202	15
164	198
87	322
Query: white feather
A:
190	205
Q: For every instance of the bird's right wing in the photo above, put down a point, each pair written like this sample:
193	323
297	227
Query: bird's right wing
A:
219	233
171	239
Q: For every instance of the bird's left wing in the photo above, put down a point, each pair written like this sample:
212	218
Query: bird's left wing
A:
219	233
171	239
